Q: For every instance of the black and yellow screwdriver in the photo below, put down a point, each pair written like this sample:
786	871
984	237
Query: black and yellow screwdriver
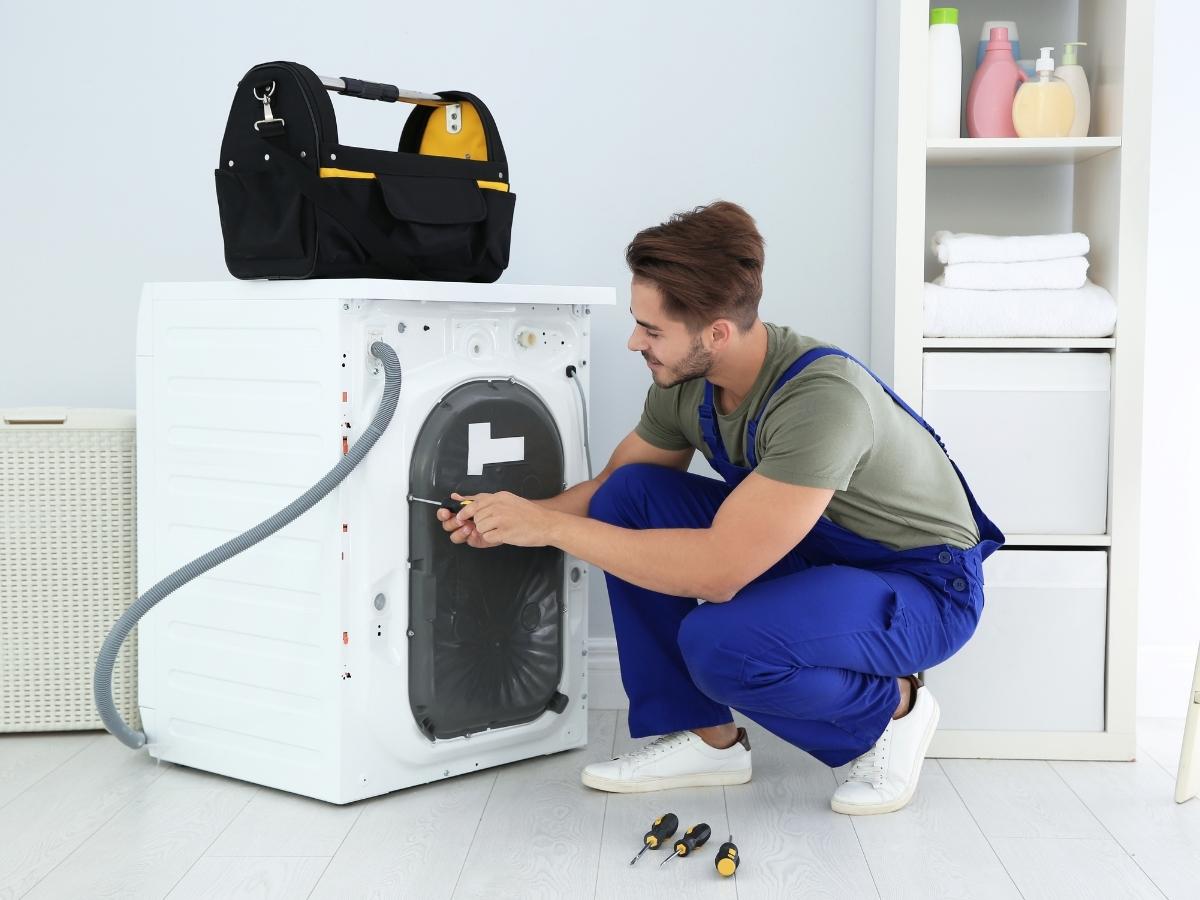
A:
661	829
727	858
694	838
453	505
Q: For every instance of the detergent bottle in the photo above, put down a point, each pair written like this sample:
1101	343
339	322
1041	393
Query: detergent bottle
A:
944	73
1072	73
990	99
1044	108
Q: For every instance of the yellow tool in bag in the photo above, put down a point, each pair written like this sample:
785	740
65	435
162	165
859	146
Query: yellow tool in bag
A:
295	203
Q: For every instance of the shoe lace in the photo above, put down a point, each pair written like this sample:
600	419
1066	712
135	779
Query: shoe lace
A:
870	766
656	747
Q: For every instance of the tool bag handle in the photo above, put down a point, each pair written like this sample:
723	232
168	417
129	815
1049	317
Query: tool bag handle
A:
377	90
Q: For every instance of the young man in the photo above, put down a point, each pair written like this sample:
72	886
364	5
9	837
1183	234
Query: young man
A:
840	552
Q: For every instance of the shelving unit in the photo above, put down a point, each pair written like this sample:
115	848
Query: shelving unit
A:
1057	540
1097	185
1016	151
947	343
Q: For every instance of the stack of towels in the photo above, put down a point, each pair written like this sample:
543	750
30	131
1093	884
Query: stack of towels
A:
1016	286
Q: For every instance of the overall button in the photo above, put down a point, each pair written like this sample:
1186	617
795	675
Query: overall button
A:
944	557
960	584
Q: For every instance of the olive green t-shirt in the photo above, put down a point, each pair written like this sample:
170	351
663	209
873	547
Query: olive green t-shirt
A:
831	426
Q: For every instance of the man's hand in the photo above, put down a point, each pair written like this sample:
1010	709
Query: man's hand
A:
505	518
460	532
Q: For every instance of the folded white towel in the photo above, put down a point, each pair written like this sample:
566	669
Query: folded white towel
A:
1085	312
1055	274
966	247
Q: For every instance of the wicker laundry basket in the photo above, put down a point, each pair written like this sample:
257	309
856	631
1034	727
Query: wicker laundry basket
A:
67	563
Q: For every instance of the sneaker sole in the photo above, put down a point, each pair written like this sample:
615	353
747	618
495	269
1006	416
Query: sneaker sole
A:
873	809
711	779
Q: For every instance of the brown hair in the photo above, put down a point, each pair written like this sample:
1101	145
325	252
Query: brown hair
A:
707	263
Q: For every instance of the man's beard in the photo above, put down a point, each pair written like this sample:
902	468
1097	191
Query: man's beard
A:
696	364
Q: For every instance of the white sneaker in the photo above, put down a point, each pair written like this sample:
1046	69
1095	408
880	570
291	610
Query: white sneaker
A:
883	779
679	759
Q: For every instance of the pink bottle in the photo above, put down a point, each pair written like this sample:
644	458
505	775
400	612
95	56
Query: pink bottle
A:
990	99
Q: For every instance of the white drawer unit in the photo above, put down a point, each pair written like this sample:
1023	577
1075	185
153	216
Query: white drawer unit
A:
1030	432
1036	661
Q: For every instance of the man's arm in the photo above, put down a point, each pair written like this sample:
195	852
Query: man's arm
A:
574	502
756	526
633	449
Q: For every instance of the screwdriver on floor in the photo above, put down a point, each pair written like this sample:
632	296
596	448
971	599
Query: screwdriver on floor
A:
661	829
694	838
727	858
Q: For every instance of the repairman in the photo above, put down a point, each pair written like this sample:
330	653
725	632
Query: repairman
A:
839	553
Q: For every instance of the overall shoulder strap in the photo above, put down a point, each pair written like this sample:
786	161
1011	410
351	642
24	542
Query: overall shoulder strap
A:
791	372
708	423
812	356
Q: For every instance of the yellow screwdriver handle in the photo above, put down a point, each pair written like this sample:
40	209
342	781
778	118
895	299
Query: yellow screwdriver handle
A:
727	858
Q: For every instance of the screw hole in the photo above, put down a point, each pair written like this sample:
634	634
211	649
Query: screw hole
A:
426	328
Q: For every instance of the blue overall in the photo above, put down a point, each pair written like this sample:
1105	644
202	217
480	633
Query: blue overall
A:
812	648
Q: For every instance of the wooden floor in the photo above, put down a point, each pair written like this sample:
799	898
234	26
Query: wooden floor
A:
81	816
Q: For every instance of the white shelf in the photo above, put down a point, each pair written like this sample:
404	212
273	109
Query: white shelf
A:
1016	151
1057	540
1112	744
953	343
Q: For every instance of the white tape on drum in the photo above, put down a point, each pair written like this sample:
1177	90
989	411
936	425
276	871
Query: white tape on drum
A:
482	448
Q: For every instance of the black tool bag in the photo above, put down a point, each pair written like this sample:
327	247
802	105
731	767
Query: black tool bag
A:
295	203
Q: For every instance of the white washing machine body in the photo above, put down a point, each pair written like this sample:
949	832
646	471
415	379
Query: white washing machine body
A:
331	660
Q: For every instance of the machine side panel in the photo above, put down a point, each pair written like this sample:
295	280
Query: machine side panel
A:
238	415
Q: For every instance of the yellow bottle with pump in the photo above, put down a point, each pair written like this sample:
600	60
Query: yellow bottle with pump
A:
1043	106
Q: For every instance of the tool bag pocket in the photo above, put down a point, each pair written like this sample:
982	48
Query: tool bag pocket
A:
260	217
294	203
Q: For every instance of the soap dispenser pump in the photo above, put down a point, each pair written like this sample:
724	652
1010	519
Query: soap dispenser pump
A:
1043	108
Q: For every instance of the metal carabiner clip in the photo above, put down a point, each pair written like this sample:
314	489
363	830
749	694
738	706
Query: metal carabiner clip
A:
265	97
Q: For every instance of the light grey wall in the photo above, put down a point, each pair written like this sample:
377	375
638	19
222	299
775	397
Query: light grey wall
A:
1169	599
613	115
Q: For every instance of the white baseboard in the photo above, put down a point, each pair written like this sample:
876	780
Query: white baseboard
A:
1164	680
604	675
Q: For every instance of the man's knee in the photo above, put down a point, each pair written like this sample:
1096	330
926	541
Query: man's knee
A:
704	641
729	669
612	500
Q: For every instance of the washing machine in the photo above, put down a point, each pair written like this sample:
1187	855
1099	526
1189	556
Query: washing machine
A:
357	650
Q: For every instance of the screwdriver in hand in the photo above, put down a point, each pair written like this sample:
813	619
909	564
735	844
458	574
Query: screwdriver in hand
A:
452	505
693	838
727	858
663	828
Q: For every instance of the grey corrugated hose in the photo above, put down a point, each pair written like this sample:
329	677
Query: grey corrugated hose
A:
102	679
